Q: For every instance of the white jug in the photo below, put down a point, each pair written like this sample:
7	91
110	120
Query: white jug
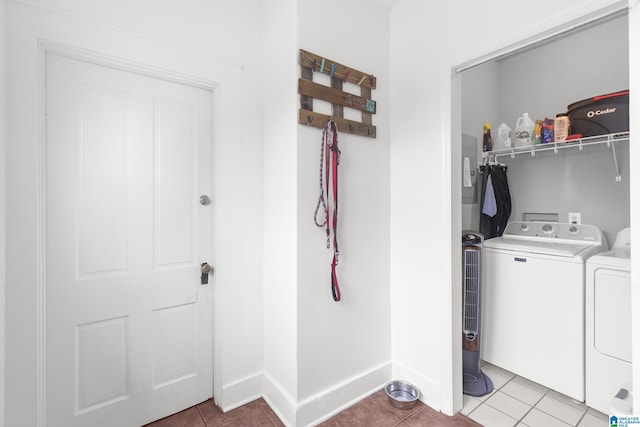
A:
503	139
524	131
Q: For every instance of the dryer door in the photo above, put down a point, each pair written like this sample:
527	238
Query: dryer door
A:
612	313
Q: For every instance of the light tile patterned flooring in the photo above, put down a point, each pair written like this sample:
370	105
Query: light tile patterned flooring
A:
517	401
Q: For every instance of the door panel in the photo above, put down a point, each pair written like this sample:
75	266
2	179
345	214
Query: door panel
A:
129	326
102	363
174	344
102	202
174	213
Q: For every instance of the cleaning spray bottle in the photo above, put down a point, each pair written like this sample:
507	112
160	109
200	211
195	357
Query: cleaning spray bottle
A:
487	142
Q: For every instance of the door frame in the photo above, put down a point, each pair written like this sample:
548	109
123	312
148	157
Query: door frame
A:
452	396
47	47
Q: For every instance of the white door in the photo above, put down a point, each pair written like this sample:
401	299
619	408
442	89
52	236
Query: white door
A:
128	323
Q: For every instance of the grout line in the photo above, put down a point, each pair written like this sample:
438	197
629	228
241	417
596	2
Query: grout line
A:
526	413
582	417
413	414
225	422
531	407
534	406
544	412
201	417
371	399
266	415
497	409
551	415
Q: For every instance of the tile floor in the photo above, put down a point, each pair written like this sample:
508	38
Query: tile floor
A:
376	411
207	414
372	411
515	401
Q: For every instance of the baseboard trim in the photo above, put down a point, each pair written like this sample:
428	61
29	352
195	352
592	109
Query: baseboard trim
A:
329	402
241	392
280	401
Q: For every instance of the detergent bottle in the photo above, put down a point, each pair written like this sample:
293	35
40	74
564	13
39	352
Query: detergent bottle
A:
503	138
524	131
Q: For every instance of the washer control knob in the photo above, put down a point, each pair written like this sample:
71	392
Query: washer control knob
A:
573	229
524	227
547	228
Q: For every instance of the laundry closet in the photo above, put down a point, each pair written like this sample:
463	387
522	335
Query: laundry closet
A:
552	185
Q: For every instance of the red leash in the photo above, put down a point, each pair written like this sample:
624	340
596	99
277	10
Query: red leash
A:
329	161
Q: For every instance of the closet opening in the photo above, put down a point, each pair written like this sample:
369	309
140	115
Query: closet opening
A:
583	183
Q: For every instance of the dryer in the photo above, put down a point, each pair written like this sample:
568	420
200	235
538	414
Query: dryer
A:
608	322
534	293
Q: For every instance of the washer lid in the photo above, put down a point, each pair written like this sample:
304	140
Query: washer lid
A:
567	250
544	238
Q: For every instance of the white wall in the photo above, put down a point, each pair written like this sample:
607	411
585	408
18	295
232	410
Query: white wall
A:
480	98
545	79
321	355
280	207
480	95
214	41
344	347
425	206
420	186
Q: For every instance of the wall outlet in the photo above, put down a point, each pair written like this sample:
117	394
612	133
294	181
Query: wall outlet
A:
575	218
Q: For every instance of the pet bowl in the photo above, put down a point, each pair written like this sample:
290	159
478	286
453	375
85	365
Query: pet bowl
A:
402	394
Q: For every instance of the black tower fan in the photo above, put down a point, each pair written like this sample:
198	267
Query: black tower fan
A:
475	382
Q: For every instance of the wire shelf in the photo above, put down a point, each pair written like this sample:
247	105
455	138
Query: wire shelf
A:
608	139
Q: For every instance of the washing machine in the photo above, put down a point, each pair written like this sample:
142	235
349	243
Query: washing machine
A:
534	302
608	322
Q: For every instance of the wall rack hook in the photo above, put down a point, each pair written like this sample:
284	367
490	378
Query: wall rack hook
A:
338	74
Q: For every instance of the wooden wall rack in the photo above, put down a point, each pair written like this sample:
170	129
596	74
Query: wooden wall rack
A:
340	74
